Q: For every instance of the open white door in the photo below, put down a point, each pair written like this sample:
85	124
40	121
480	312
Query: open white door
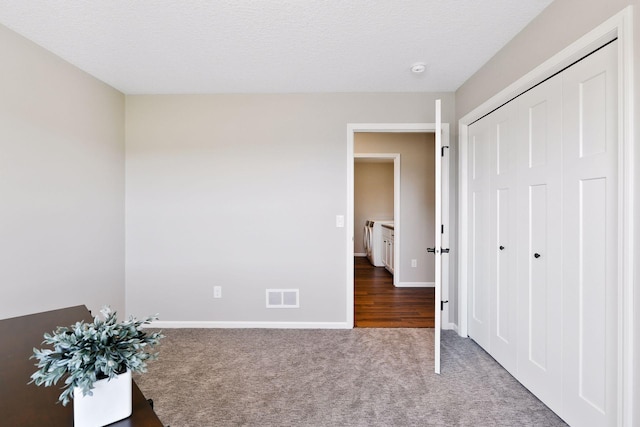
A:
438	250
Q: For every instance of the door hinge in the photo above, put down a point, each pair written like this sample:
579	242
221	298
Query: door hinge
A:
442	150
442	303
442	229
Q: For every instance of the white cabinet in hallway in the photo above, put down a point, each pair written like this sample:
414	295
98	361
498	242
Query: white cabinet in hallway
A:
543	222
388	242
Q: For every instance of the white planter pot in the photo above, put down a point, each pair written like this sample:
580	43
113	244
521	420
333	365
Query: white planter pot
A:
111	402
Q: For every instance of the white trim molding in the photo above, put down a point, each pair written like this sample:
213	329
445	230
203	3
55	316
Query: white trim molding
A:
213	324
619	26
396	202
415	285
352	128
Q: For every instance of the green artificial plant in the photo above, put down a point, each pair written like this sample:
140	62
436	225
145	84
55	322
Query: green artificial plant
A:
86	352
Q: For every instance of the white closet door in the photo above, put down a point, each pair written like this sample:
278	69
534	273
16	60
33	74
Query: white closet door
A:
539	355
502	241
590	251
479	292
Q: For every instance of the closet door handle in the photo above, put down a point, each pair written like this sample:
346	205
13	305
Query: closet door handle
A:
537	255
501	248
431	250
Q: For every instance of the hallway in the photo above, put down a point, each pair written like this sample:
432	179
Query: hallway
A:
378	304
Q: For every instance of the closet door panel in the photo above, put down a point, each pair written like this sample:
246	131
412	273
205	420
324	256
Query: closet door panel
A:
538	291
504	282
590	253
479	293
539	355
538	138
592	292
501	248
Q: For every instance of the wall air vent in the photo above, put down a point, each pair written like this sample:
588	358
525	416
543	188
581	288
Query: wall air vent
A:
283	298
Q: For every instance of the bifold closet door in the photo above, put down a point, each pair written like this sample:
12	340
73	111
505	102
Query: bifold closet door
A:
502	241
492	221
539	316
590	244
479	231
543	223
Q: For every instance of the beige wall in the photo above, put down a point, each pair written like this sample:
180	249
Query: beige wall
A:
61	184
417	197
372	196
559	25
242	191
563	22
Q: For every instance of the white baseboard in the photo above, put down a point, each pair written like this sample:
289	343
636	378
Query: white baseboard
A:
187	324
360	254
449	326
415	285
245	325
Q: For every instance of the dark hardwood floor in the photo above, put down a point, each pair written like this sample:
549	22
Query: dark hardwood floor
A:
379	304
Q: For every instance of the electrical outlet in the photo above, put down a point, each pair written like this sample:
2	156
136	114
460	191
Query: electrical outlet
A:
414	263
217	291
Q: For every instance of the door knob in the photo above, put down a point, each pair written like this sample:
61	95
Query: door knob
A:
431	250
501	248
537	255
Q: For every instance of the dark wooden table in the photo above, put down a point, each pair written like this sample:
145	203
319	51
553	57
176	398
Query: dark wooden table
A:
23	404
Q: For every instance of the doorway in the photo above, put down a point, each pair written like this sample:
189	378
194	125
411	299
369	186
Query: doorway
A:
407	262
377	208
379	301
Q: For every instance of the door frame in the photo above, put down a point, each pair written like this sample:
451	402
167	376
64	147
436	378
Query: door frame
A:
396	201
352	129
619	26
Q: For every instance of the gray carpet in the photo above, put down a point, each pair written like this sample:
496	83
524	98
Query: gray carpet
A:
359	377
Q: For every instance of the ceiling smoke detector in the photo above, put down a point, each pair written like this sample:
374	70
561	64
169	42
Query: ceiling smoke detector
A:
418	68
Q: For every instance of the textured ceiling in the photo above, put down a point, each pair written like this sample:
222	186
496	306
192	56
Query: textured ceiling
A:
272	46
